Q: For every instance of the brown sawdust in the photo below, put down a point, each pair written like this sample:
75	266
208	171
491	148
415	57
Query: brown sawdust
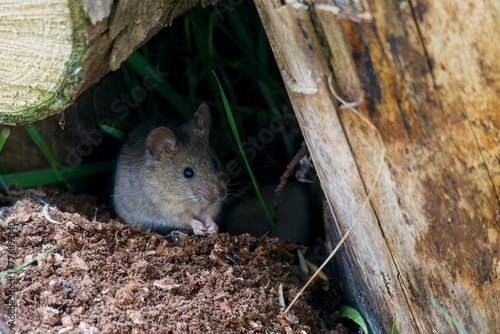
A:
106	277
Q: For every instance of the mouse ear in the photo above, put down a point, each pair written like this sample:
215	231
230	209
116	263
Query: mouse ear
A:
161	141
202	119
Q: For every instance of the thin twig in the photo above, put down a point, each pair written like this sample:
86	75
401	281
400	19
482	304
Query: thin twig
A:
284	178
365	203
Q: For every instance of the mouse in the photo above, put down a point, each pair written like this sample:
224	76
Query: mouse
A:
168	176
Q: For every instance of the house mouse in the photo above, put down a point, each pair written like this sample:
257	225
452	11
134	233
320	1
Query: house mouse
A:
168	177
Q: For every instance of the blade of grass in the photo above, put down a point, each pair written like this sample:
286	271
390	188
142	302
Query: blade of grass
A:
243	29
187	34
42	144
118	134
210	34
4	134
263	47
21	266
447	315
142	66
265	77
354	315
240	146
124	125
227	82
192	78
48	176
4	186
131	82
393	326
287	141
204	50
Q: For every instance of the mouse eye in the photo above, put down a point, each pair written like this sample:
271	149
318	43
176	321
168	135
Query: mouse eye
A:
215	163
188	173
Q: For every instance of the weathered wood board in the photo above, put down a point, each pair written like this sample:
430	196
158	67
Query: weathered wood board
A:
427	74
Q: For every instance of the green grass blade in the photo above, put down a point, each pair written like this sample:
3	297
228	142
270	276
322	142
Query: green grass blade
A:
393	326
127	76
124	125
118	134
4	186
4	134
242	29
48	176
287	141
21	266
354	315
142	66
447	315
210	34
42	144
240	146
187	34
131	82
263	55
267	79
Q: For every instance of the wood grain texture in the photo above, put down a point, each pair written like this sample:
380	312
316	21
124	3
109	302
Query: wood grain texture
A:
35	43
427	75
52	50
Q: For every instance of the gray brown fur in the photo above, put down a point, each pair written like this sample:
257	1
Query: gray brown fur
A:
153	191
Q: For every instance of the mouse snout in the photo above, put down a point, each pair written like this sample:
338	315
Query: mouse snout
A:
215	194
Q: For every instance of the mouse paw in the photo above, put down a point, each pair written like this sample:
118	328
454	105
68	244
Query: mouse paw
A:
212	227
204	228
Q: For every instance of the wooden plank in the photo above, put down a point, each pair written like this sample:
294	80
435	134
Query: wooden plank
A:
431	231
300	59
437	215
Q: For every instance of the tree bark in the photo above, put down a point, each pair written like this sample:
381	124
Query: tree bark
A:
52	50
427	74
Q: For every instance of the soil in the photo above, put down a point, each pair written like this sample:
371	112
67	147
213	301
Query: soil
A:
106	277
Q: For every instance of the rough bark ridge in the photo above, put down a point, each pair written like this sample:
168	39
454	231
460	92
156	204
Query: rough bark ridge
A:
52	50
427	74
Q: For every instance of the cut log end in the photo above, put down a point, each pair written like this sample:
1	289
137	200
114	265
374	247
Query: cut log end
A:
36	45
52	50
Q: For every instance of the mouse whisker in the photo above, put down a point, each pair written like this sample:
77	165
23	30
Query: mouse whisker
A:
236	194
135	193
242	183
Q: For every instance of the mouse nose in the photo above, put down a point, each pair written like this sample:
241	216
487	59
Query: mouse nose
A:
217	194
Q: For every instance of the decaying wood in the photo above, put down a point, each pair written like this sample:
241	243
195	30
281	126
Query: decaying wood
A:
427	75
52	50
